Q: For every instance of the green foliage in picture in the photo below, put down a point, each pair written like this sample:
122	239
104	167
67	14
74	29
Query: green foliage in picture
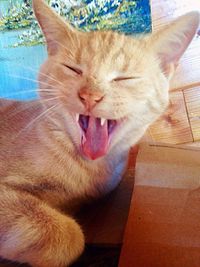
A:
18	16
126	16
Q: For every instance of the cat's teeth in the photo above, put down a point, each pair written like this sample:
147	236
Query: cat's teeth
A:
102	121
77	117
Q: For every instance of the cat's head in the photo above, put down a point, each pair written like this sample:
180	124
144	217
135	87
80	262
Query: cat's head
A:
105	88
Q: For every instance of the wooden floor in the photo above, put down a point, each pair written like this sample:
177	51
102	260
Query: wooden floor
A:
181	122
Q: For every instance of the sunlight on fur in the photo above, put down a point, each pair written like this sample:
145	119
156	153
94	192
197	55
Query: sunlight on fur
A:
99	92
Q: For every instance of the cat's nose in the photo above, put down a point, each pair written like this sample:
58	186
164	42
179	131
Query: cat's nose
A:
90	98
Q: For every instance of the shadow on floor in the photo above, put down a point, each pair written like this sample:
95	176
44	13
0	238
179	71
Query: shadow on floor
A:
94	256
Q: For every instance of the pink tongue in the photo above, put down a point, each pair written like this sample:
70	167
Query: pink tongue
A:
96	143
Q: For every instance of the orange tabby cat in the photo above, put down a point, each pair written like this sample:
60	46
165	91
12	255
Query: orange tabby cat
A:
99	92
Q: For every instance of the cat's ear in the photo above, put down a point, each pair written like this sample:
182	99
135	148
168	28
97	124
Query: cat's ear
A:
171	42
55	29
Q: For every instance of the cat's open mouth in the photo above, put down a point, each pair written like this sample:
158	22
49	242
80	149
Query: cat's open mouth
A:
95	135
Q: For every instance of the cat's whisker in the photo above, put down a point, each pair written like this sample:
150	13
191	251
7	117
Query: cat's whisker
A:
152	140
36	71
26	105
17	94
37	118
26	91
151	135
49	99
27	79
47	90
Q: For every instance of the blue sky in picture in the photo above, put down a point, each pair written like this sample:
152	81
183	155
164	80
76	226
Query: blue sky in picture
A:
20	60
19	67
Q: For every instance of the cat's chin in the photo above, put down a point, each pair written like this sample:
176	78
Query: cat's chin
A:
96	135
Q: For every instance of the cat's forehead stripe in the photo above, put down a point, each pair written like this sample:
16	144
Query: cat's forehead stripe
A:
103	47
120	59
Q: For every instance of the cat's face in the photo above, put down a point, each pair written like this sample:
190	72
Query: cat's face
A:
107	88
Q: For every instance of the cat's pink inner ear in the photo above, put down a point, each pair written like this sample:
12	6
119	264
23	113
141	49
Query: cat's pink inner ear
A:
55	30
171	42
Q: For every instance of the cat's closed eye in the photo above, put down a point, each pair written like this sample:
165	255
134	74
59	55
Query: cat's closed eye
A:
118	79
73	69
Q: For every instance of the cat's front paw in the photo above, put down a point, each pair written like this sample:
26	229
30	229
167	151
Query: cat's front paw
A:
63	248
76	240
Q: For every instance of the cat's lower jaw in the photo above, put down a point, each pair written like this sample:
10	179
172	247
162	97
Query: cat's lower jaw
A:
96	135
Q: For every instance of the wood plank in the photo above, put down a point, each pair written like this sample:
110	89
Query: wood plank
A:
192	99
193	144
173	127
188	71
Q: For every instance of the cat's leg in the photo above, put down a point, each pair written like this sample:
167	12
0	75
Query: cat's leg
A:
33	232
